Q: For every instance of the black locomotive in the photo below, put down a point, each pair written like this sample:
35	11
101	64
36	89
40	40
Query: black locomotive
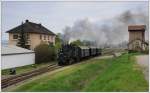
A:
70	53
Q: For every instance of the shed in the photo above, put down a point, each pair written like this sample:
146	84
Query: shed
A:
137	38
13	56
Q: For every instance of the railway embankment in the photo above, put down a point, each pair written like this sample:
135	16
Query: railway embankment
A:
110	74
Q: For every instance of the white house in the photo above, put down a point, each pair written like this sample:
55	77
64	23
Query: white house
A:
13	56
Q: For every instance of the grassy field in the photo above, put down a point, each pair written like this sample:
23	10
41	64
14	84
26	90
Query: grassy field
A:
115	74
27	68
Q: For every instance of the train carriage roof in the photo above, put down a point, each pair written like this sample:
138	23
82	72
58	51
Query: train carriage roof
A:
83	47
92	47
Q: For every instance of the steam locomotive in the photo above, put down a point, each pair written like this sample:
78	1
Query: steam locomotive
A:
69	53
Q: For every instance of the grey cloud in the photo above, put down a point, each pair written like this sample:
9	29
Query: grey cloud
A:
114	32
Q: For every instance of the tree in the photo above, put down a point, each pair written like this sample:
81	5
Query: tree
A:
22	41
77	42
58	41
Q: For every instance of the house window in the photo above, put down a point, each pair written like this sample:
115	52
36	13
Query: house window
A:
44	37
52	38
28	46
15	36
41	37
48	37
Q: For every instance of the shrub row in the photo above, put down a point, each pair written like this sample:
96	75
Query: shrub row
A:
44	53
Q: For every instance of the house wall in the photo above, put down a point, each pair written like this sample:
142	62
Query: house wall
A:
136	45
136	39
11	61
136	35
11	40
34	40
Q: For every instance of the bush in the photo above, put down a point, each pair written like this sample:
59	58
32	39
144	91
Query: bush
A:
57	46
44	53
146	52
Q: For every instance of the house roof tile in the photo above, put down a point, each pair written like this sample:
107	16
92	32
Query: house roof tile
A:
31	27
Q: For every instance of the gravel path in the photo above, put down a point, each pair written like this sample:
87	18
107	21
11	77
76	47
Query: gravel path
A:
143	61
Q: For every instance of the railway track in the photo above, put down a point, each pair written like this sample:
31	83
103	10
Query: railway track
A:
111	51
18	78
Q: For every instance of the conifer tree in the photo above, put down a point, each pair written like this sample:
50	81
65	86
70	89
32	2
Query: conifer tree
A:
22	41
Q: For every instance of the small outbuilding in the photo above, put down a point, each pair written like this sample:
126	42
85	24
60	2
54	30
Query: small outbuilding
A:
13	56
137	38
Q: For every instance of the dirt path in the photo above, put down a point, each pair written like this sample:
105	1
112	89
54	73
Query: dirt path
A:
143	61
103	57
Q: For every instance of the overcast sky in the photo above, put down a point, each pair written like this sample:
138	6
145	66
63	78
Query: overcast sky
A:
56	15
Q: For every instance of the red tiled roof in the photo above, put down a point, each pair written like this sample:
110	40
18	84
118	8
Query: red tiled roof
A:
136	27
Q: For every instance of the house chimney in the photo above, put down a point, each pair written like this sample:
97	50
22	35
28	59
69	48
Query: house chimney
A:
27	20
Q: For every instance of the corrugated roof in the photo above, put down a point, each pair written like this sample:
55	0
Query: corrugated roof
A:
136	27
14	50
30	27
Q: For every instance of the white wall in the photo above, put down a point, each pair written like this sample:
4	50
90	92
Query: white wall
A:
10	61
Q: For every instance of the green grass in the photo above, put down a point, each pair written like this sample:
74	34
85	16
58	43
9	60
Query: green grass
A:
116	74
27	68
123	75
